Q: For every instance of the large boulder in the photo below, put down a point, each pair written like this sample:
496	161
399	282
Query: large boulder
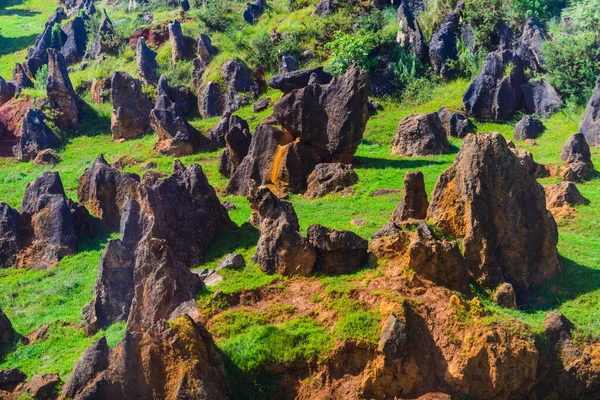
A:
60	91
414	203
563	194
455	124
328	178
131	108
288	64
104	190
253	12
37	56
577	158
106	40
7	333
420	135
496	93
93	361
19	76
540	98
237	141
74	48
528	128
8	90
443	46
178	49
35	136
286	82
491	201
238	77
590	123
281	248
529	49
338	252
210	102
11	240
176	137
145	59
410	35
206	51
227	123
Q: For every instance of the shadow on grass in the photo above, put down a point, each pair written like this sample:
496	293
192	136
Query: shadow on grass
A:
91	123
11	45
232	239
383	163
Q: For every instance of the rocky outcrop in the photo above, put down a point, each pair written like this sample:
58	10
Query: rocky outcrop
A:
100	90
210	102
206	51
321	123
145	59
7	333
37	56
35	136
338	252
43	386
577	158
414	203
92	362
288	64
562	195
104	190
496	93
529	49
455	124
11	238
237	140
176	137
443	46
106	40
286	82
60	91
420	135
19	76
490	200
178	50
410	35
238	77
47	157
224	126
231	261
328	178
590	123
540	98
74	48
528	128
281	248
8	90
131	108
253	12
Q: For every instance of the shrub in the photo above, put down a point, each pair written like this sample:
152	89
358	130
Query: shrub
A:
584	15
484	17
517	11
572	64
348	49
437	11
56	37
41	77
214	14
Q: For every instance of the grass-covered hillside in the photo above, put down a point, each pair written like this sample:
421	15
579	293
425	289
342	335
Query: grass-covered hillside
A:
299	318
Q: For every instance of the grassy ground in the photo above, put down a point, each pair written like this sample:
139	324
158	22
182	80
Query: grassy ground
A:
249	338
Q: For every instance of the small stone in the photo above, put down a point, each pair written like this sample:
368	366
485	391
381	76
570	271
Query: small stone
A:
231	261
505	296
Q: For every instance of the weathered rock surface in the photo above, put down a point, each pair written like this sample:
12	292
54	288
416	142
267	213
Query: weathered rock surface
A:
145	59
106	39
60	91
289	81
414	203
443	46
253	12
131	108
455	124
238	77
47	157
490	200
528	128
231	261
338	252
410	35
281	248
35	136
176	137
237	141
563	195
42	387
37	56
261	104
74	48
557	327
328	178
494	95
393	338
7	333
540	98
19	76
325	8
224	126
420	135
8	90
101	90
530	45
178	50
590	123
288	64
505	296
104	190
577	158
93	361
206	51
210	102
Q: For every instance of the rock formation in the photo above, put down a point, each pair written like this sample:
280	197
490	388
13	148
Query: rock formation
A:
338	252
326	7
131	108
106	39
37	56
590	123
577	158
8	90
226	124
529	49
238	77
253	12
410	35
286	82
145	59
35	136
490	200
210	102
505	296
74	48
443	46
237	141
178	51
176	137
60	91
206	51
563	194
455	124
288	64
47	157
328	178
7	333
540	98
420	135
414	203
528	128
19	76
281	248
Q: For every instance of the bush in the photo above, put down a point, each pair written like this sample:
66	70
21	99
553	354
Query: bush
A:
41	78
214	14
348	49
484	16
517	11
584	15
572	64
56	37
